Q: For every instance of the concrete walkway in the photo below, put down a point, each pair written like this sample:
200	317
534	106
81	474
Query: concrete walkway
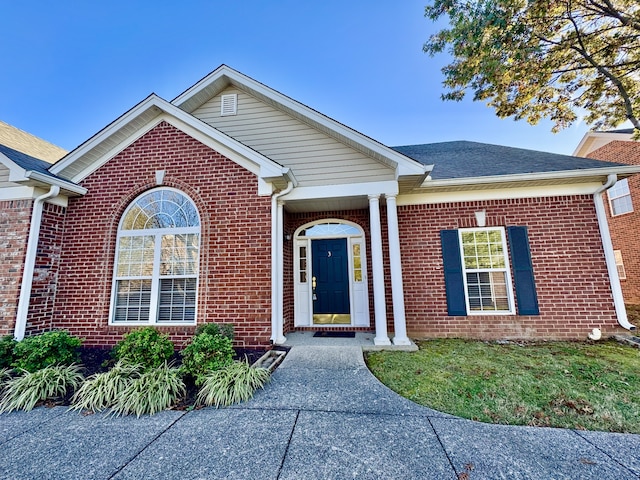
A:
322	416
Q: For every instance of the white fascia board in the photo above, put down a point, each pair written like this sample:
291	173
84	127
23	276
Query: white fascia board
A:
587	188
403	164
150	102
70	187
27	192
582	150
531	177
224	144
343	191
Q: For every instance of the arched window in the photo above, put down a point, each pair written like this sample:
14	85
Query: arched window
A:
157	257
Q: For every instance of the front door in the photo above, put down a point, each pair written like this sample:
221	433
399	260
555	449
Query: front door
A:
330	281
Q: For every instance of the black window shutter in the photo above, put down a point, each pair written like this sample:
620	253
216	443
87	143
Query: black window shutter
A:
454	284
523	271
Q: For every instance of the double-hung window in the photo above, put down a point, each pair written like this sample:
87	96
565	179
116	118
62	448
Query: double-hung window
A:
620	198
157	260
477	274
485	263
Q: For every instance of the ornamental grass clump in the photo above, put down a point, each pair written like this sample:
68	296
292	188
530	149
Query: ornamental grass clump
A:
146	347
156	389
102	390
234	383
25	391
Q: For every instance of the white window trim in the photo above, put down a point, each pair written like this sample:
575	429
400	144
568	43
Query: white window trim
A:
622	273
506	270
155	277
618	197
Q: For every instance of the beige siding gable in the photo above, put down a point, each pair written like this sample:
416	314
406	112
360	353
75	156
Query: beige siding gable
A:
4	176
314	157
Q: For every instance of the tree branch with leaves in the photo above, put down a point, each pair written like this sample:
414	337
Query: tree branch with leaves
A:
534	59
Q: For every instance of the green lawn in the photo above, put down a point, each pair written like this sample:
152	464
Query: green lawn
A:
556	384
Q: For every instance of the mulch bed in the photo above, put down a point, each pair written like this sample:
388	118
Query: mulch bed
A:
96	360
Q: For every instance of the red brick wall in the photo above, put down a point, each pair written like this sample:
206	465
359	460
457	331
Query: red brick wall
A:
625	229
235	265
45	274
15	218
569	267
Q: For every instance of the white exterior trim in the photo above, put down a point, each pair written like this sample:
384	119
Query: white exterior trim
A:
395	264
506	269
155	278
25	192
377	267
303	291
226	75
24	301
610	258
498	194
231	148
345	190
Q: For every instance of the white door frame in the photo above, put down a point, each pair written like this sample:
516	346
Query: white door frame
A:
302	272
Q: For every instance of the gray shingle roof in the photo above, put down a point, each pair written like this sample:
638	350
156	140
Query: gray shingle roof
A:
464	159
25	161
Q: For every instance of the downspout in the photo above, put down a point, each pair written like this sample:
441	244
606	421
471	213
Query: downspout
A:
614	279
30	262
277	267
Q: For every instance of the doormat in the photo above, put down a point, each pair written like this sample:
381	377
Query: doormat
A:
335	334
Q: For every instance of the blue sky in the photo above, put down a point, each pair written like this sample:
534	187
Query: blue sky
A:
69	68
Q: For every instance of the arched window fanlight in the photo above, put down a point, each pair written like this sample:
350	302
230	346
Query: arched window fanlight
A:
329	229
157	260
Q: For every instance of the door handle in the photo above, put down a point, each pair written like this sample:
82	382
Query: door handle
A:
313	288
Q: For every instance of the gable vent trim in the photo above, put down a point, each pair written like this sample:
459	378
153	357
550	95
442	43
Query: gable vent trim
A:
229	104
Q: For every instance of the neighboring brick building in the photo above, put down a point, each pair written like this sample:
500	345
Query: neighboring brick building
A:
234	203
623	211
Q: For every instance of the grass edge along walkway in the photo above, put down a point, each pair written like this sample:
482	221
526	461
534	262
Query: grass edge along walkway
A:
579	385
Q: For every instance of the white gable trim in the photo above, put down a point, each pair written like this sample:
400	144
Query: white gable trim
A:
152	111
225	75
594	140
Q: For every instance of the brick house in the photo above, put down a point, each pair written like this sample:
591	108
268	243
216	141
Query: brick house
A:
235	203
624	201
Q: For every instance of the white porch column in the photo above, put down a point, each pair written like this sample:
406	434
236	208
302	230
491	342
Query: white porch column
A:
381	338
397	289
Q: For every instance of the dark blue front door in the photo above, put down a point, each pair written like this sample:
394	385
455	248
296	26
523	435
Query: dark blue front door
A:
331	276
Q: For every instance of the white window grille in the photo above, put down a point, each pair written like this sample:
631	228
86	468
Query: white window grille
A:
485	265
620	198
157	260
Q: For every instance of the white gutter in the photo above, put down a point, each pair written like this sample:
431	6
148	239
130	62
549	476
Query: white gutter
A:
614	279
559	175
277	267
30	262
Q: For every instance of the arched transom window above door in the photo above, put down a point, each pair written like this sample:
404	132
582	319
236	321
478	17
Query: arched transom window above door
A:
157	260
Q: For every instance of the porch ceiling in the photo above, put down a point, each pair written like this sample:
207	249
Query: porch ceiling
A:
327	204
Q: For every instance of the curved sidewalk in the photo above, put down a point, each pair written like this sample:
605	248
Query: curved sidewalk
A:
322	416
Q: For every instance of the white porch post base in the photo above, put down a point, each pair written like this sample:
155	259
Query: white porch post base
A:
382	337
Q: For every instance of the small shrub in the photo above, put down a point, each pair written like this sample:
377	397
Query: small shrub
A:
146	347
224	329
7	344
206	353
102	390
234	383
154	390
25	391
57	347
